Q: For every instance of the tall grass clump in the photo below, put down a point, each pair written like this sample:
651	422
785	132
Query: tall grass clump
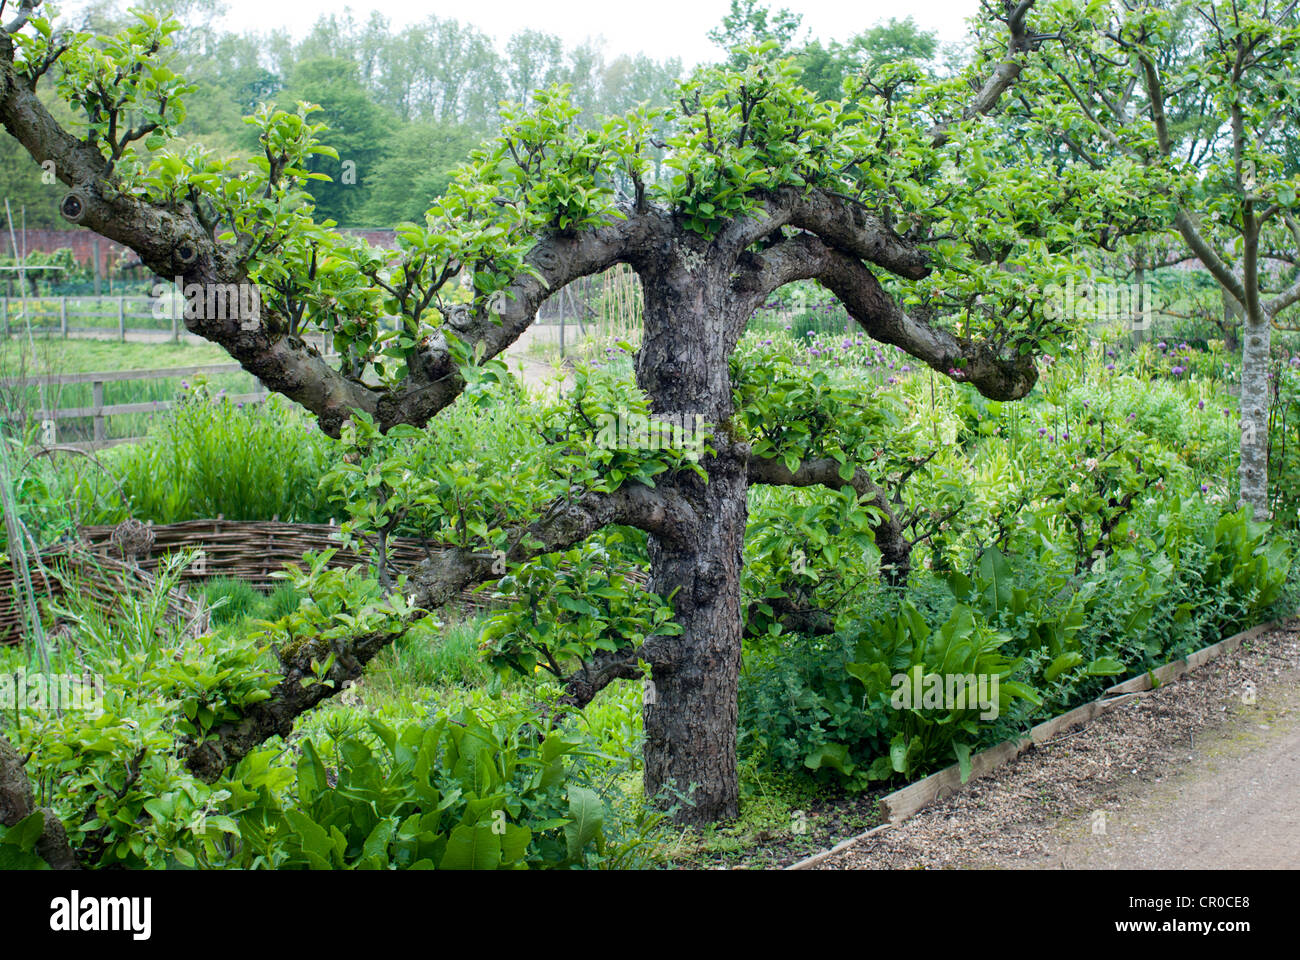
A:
210	457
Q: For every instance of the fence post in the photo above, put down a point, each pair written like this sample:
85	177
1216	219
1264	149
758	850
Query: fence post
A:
121	319
176	334
63	316
101	433
4	314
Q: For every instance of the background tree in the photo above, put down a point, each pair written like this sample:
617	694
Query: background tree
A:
1203	97
414	168
360	131
824	67
751	23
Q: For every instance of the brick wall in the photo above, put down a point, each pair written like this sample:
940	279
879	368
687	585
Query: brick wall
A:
82	242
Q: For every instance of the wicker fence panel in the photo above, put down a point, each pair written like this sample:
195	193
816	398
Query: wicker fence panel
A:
100	578
252	551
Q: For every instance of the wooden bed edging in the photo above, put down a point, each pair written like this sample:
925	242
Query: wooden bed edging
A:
905	803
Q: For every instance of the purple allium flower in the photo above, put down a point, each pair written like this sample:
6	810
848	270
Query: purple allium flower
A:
1042	431
1205	488
1111	367
1200	405
1227	412
907	369
767	343
815	353
1162	345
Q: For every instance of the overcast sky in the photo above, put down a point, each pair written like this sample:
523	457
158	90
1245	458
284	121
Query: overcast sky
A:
659	28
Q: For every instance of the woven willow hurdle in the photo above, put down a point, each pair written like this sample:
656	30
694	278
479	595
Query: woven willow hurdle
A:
251	551
93	576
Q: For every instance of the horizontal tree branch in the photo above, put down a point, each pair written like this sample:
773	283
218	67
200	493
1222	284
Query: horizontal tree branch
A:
808	257
848	226
895	550
434	582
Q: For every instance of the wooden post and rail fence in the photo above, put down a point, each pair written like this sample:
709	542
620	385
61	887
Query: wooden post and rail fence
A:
99	413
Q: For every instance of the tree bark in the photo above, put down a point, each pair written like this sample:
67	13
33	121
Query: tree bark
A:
690	720
1231	322
17	803
1253	474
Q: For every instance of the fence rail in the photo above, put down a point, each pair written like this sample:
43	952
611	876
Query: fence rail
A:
252	551
98	412
119	317
107	314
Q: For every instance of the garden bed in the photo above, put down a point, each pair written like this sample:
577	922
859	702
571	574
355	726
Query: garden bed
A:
945	785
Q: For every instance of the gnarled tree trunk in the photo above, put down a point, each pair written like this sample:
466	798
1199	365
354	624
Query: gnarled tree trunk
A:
690	721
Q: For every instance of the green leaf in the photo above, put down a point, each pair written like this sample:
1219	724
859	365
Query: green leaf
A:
586	816
962	750
898	753
1062	663
834	755
472	847
1104	667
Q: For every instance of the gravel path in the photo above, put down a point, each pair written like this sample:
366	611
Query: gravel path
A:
1191	775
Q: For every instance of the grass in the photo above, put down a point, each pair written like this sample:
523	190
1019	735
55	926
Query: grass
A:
86	356
234	602
210	458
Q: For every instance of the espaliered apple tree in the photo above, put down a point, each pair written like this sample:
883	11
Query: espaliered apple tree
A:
919	215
